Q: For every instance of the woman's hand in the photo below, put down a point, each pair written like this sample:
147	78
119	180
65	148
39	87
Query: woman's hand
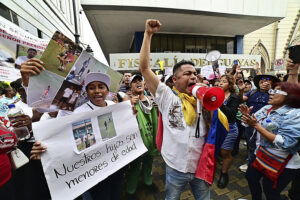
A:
37	150
31	67
245	110
20	121
250	120
241	85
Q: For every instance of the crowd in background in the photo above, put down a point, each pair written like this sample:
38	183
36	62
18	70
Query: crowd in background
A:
262	108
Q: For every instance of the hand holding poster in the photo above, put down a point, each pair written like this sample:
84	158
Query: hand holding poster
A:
66	68
82	150
16	46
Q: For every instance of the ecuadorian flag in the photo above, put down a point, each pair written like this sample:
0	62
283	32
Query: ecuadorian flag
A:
217	133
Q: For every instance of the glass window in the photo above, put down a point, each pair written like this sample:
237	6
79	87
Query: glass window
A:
155	44
27	26
221	45
190	44
230	46
170	43
201	45
164	42
45	36
178	43
14	18
5	12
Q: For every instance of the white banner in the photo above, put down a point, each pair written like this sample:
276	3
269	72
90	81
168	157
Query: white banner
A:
14	45
130	61
85	148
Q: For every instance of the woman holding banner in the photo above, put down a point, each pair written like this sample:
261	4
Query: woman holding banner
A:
97	88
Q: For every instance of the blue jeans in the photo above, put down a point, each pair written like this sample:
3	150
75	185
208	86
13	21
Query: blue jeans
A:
176	181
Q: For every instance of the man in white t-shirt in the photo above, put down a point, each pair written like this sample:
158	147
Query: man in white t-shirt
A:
182	144
31	53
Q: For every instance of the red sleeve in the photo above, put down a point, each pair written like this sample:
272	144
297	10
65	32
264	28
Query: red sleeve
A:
5	169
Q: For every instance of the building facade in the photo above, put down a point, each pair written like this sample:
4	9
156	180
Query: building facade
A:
43	18
189	27
271	41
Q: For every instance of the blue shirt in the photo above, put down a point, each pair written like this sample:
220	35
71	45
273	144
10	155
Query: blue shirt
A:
257	100
286	122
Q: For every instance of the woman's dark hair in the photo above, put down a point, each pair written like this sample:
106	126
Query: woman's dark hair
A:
293	90
230	80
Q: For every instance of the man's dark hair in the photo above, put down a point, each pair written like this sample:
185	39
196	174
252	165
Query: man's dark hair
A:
31	49
177	66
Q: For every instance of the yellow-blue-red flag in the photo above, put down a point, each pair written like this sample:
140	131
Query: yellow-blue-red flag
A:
217	133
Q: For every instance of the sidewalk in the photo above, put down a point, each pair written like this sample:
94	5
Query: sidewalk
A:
237	187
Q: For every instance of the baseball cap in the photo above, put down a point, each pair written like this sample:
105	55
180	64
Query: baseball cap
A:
136	76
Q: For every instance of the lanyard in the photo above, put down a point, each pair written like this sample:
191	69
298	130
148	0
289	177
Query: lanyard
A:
90	106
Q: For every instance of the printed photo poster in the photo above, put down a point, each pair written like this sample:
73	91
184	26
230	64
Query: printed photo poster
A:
60	54
25	53
65	60
67	96
82	151
83	135
84	65
43	88
16	47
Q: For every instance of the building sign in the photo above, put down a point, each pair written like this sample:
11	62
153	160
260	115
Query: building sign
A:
130	61
279	64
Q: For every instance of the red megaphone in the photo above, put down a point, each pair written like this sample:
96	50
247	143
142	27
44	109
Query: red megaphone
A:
210	97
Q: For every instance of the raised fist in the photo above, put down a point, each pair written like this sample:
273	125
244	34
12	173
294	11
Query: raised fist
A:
152	26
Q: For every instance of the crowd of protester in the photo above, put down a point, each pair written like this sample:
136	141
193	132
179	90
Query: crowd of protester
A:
262	108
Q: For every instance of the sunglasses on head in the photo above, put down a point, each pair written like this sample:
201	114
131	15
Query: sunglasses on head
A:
271	91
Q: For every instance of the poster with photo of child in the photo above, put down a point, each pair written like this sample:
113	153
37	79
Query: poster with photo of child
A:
60	54
73	67
83	135
42	89
81	68
67	96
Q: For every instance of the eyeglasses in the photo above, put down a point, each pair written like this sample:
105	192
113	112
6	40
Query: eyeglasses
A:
271	91
265	78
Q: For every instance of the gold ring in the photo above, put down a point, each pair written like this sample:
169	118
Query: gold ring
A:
28	63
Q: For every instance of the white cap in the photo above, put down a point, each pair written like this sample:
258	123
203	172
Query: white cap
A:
97	76
136	76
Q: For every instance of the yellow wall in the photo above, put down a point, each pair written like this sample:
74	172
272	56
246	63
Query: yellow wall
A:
267	34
